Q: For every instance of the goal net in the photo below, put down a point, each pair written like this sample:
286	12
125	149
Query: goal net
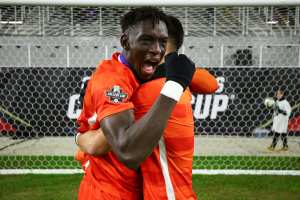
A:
46	51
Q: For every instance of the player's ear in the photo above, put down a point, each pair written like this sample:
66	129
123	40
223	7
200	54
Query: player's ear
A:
124	40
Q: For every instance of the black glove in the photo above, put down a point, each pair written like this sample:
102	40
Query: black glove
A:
179	68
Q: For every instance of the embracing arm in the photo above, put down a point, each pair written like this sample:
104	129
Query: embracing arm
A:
93	142
133	141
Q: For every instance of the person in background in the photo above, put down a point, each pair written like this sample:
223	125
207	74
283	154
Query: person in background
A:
281	114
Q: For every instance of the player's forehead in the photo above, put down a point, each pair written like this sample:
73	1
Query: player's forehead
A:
150	28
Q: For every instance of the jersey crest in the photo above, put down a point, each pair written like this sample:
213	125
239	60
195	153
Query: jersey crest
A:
115	94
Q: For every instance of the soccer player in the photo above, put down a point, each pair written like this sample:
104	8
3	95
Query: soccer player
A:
167	172
281	114
115	174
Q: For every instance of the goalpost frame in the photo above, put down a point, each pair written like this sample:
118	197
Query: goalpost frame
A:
153	2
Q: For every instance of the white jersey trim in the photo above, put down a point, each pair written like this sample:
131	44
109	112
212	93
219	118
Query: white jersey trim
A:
165	169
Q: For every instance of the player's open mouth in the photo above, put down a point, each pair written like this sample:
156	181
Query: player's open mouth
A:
149	68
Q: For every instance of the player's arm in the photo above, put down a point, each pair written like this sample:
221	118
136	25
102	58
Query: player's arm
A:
133	141
281	109
93	142
288	109
284	109
203	82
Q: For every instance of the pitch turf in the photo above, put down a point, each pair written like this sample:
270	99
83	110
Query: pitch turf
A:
207	187
203	162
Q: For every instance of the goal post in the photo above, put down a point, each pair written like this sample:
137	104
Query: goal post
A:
47	48
153	2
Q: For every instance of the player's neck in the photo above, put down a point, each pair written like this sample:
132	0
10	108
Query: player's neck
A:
122	59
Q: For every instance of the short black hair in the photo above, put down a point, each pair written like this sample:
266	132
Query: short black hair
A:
137	15
175	31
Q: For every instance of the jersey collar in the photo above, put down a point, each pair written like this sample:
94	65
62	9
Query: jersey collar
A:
122	59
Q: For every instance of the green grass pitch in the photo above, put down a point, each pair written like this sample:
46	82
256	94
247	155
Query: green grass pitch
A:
207	187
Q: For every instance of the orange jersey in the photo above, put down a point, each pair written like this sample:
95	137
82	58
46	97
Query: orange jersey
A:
108	92
167	172
203	82
178	147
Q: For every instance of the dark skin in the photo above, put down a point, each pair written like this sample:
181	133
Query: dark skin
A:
144	47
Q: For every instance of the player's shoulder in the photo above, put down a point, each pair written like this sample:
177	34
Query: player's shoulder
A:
112	68
110	73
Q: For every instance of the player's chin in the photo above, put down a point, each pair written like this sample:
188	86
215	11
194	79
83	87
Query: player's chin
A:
147	76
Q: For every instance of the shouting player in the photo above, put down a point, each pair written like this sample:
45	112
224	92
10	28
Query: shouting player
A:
167	171
115	174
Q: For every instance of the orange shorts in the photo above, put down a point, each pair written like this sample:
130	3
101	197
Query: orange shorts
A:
89	191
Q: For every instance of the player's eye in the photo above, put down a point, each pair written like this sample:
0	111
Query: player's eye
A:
146	41
163	43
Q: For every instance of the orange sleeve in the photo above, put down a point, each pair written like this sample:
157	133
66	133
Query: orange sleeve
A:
109	91
111	94
80	156
203	82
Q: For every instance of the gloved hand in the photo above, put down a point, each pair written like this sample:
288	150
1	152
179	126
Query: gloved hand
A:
179	68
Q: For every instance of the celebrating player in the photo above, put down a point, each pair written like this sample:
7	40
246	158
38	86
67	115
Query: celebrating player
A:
115	175
157	179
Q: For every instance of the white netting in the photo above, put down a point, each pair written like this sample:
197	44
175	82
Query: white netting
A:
46	51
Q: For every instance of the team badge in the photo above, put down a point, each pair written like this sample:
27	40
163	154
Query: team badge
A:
115	94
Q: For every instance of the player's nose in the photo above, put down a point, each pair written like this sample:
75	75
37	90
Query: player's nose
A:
156	48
